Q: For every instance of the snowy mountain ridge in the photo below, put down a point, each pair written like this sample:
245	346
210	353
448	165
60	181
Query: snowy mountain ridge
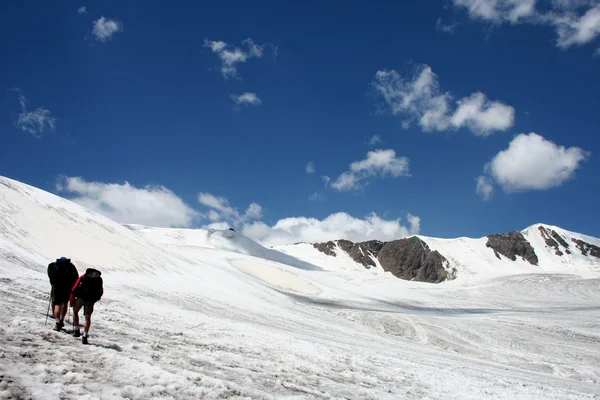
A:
546	247
554	249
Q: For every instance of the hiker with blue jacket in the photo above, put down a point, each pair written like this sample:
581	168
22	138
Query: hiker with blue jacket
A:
63	275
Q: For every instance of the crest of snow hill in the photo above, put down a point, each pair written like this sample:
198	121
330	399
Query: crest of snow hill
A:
412	259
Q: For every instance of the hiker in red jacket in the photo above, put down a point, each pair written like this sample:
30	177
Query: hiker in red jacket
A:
87	290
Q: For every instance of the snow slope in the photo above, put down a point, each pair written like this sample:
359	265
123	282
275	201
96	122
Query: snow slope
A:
193	314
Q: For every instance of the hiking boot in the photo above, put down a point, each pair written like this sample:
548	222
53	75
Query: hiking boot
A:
84	340
59	325
76	333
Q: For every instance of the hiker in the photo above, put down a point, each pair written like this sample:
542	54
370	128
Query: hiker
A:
87	290
62	274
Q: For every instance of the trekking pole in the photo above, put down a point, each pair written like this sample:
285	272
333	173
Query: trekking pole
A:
48	311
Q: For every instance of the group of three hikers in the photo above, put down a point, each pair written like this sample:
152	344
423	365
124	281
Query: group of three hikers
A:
78	291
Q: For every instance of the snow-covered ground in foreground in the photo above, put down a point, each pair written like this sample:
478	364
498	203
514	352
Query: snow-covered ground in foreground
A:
190	314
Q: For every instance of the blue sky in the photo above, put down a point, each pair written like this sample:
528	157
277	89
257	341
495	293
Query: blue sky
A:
446	118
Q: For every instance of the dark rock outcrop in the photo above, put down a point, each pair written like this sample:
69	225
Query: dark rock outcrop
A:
345	245
411	259
363	253
559	239
327	248
511	245
587	248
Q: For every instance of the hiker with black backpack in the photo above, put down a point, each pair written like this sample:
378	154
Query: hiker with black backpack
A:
62	274
86	292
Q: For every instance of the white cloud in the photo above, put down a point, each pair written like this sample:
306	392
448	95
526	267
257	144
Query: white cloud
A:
482	116
484	188
220	204
576	22
577	30
35	122
222	211
335	226
124	203
105	28
534	163
247	98
217	226
420	98
254	211
375	139
498	11
82	10
213	215
310	168
230	55
378	163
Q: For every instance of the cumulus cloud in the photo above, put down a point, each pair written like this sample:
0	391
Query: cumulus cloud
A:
533	163
247	98
310	168
82	10
222	211
484	188
419	98
576	22
124	203
35	122
230	56
335	226
254	211
482	116
105	28
383	163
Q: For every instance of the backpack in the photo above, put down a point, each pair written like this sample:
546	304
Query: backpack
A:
89	288
58	272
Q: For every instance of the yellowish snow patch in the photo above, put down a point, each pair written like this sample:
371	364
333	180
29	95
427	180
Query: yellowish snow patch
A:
274	276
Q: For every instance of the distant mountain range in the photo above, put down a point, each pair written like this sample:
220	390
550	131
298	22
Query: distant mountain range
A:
435	260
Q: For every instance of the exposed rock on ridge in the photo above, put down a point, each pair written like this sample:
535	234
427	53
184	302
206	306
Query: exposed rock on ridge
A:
363	253
511	245
554	240
586	248
327	248
411	259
